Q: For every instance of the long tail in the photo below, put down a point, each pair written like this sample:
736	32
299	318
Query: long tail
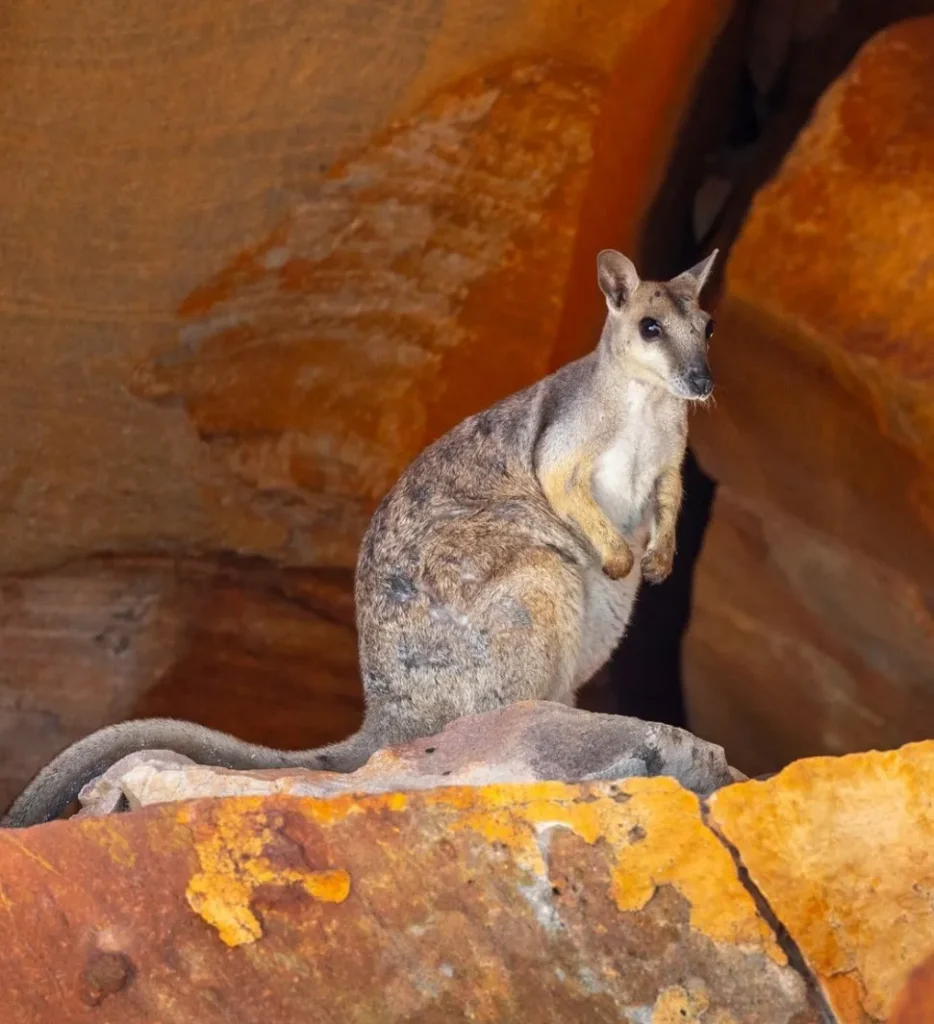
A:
59	783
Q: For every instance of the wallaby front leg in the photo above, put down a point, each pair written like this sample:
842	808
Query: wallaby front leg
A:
568	489
660	554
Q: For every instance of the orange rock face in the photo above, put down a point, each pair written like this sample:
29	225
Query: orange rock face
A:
252	265
813	625
843	851
538	903
250	268
915	1004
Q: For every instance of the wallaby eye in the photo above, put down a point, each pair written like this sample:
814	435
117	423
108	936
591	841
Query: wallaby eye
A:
708	330
650	329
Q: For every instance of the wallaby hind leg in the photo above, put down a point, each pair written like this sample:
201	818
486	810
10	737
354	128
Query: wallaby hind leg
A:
534	614
516	639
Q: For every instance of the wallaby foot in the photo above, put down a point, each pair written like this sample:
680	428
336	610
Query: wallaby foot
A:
657	561
619	565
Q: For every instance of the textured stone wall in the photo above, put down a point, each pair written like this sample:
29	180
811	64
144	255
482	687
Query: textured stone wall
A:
812	627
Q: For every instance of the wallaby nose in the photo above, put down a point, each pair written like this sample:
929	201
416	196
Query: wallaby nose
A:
700	381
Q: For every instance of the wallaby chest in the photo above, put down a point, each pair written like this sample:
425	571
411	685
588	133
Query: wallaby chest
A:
646	436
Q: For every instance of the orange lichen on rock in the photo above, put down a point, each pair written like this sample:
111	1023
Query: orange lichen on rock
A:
682	1004
656	832
653	826
236	860
843	851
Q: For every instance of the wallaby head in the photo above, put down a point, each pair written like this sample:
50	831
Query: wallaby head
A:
655	329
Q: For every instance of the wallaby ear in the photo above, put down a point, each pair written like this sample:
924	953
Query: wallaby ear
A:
617	277
695	278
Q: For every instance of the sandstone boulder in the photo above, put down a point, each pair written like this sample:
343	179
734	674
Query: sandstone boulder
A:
257	262
812	628
546	902
805	898
842	850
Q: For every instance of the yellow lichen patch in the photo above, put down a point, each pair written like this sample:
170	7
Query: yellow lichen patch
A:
335	809
234	863
657	836
652	827
843	850
102	832
679	1005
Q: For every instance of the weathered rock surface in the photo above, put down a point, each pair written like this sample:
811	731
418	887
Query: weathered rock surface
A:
547	902
523	743
630	900
242	323
915	1003
813	630
267	653
109	792
843	852
250	266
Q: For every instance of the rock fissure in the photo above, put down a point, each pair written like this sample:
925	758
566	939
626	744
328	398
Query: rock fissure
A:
792	951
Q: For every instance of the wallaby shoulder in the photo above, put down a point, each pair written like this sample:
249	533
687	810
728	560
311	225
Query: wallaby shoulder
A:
480	477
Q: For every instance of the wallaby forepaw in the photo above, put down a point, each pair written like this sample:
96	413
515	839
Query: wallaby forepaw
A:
656	564
619	565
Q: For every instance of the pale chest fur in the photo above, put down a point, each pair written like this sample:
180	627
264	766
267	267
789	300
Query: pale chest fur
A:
651	438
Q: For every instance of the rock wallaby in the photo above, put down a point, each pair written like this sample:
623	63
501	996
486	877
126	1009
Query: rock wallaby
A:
504	564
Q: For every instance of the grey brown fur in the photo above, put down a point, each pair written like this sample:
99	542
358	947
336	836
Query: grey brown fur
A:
502	565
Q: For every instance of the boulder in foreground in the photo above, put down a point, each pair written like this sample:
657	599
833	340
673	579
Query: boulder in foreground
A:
525	904
805	898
